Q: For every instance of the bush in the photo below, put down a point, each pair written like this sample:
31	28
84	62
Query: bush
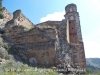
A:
1	16
3	53
6	46
18	68
9	57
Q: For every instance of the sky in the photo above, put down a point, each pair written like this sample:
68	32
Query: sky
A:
39	11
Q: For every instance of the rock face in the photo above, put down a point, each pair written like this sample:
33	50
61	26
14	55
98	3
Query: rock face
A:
49	43
7	15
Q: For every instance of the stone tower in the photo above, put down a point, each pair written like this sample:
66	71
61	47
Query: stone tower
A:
74	35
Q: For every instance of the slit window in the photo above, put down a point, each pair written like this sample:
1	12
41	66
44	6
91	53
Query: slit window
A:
69	21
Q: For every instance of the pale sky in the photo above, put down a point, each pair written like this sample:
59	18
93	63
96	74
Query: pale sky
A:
43	10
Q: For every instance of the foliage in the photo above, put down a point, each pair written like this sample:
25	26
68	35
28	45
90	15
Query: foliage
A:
6	46
1	15
18	68
92	72
89	71
3	52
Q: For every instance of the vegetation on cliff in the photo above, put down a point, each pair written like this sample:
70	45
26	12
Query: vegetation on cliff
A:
1	15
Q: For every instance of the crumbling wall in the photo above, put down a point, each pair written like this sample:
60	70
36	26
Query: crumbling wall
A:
7	15
36	43
2	23
20	20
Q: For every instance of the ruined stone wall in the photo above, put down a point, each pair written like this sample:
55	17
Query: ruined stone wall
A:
78	55
20	20
82	55
74	54
75	36
2	23
7	15
72	32
35	43
62	46
50	42
45	58
51	24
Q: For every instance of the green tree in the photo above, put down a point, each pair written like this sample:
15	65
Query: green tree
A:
1	15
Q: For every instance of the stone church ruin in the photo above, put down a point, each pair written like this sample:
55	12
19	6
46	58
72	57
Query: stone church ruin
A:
50	43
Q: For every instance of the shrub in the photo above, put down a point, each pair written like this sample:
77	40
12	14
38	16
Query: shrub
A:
9	57
6	46
3	52
1	15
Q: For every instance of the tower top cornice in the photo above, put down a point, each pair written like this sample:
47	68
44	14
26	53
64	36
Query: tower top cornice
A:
70	5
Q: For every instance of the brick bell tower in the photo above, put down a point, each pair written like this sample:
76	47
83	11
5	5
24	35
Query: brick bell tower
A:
74	35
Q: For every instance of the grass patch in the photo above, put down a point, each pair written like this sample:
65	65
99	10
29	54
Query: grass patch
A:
17	68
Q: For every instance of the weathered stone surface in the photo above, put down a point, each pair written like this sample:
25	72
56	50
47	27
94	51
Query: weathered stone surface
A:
20	20
75	36
37	43
51	24
7	15
2	23
50	43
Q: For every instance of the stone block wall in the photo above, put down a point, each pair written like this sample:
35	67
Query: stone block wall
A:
19	20
37	43
7	15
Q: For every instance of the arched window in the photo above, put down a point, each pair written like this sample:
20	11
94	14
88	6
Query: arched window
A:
71	18
71	9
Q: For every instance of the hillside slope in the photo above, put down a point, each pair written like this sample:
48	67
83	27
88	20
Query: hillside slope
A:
93	63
